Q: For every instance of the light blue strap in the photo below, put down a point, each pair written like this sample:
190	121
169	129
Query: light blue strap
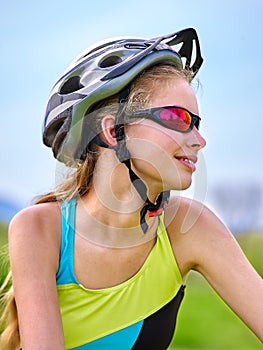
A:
65	272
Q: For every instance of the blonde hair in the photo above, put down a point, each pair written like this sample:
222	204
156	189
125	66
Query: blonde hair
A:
10	339
142	91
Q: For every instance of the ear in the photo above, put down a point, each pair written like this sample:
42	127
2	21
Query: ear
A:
108	132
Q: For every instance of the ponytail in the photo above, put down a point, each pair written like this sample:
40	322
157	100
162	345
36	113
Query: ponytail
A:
10	339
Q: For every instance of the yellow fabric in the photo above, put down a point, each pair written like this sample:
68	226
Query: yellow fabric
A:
91	314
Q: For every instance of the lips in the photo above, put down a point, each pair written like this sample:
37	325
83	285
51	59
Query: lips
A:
188	161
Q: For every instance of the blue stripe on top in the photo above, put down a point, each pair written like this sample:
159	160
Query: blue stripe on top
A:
120	340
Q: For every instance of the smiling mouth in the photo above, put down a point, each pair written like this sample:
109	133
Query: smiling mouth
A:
188	162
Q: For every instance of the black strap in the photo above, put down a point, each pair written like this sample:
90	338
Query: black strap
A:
139	185
154	209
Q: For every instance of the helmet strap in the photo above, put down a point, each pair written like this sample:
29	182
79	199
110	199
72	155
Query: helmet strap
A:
124	157
153	209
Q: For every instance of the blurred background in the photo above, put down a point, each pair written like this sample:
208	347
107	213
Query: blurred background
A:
39	40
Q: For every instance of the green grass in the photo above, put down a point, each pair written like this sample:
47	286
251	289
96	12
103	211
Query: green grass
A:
252	245
3	234
4	264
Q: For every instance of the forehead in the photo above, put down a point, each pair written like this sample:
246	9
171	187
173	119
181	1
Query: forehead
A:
177	92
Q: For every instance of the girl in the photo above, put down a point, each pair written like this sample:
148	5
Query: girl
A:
101	262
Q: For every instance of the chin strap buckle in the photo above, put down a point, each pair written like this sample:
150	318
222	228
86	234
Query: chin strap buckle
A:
157	212
154	209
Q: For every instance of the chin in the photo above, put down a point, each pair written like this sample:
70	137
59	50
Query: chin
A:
186	187
184	184
178	187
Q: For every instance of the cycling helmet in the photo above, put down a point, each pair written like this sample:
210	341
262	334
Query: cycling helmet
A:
102	71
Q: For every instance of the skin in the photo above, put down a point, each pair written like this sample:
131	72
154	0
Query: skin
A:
205	246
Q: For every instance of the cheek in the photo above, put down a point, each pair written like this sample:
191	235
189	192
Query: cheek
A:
153	147
151	140
149	156
151	134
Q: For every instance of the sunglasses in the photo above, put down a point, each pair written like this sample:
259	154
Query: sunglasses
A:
172	117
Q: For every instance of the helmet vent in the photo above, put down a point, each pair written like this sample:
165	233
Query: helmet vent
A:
71	85
110	61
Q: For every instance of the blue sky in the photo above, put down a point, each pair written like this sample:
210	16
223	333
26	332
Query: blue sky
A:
39	39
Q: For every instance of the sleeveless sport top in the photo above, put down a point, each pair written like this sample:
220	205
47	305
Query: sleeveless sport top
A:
138	314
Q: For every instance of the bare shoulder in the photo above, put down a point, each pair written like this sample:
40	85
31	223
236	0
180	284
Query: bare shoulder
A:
193	230
35	229
34	244
186	215
40	218
38	210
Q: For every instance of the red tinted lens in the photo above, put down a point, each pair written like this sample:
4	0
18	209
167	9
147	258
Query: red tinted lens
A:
176	118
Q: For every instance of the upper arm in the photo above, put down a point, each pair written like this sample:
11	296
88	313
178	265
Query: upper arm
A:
209	248
34	255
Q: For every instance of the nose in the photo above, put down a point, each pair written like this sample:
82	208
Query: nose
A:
196	140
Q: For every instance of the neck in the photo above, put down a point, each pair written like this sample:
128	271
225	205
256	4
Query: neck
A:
112	190
109	228
113	205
